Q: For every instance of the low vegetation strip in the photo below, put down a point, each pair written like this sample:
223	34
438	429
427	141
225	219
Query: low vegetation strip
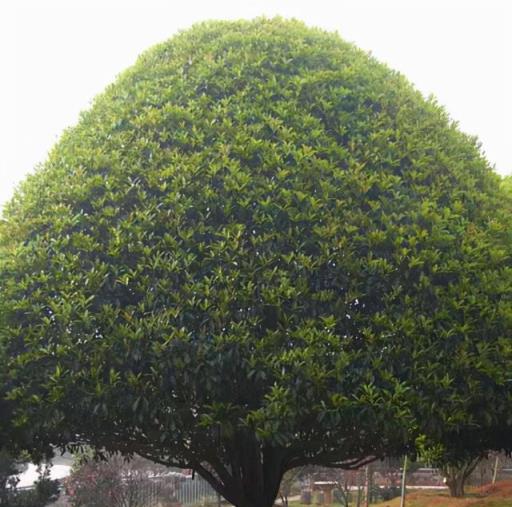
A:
499	495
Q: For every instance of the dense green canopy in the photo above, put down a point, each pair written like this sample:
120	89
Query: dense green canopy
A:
260	248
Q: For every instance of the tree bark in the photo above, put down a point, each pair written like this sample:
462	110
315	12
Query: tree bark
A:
248	475
456	486
456	475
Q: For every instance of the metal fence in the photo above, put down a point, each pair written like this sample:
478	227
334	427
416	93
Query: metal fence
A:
159	492
165	491
196	492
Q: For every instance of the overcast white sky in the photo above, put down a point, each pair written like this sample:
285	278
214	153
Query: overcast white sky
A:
57	55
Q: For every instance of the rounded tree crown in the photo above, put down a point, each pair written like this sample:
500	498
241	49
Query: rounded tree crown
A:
256	222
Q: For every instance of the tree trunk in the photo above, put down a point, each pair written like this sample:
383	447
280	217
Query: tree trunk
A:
456	486
250	474
456	475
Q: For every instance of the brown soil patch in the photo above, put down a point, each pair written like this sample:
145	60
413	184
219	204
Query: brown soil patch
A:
499	495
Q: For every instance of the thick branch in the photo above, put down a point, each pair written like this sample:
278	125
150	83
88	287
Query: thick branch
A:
217	485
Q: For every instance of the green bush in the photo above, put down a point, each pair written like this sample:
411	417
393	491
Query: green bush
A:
388	493
259	249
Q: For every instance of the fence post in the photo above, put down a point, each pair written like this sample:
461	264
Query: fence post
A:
404	472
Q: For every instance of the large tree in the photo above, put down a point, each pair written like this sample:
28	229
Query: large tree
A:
259	249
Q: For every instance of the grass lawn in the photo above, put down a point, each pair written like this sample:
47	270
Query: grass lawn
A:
498	496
